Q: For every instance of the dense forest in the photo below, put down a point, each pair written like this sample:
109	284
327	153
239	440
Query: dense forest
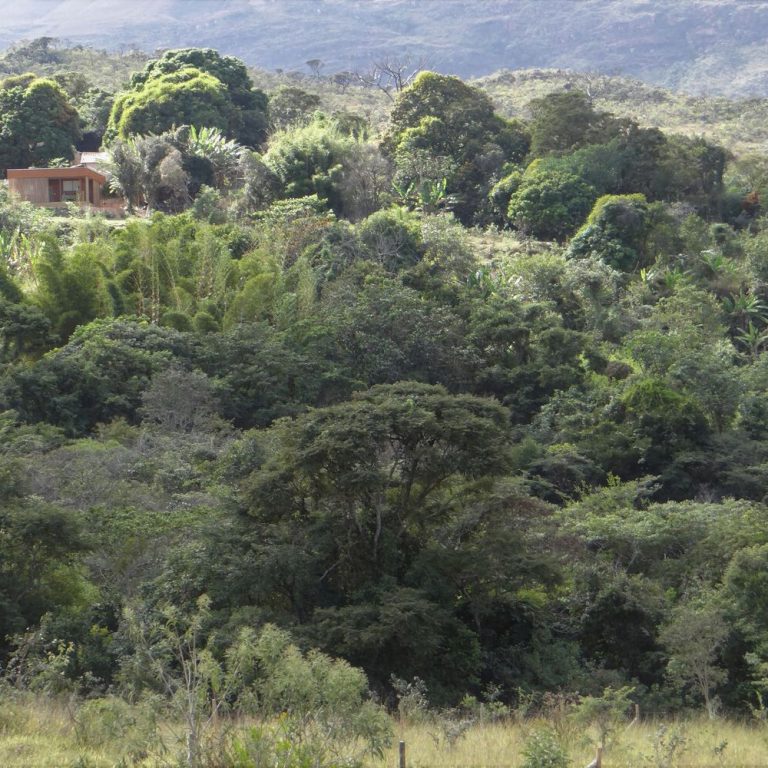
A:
477	405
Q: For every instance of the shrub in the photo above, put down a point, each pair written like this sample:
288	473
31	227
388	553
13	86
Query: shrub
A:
543	750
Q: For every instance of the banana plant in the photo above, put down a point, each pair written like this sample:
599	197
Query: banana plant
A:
222	153
432	195
753	339
743	308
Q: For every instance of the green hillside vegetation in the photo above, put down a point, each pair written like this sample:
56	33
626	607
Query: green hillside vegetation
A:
467	411
739	123
48	57
90	77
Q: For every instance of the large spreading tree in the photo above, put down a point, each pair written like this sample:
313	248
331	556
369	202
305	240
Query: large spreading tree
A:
440	127
194	86
37	122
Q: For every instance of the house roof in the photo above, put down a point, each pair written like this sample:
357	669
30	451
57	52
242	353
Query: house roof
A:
91	158
73	172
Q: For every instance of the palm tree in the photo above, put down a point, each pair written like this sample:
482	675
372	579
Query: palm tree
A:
222	153
124	169
754	339
744	308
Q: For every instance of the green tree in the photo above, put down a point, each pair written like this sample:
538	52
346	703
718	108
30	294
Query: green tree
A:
184	97
446	118
150	170
126	172
71	288
24	330
347	500
222	155
310	159
94	108
383	332
693	169
617	622
327	717
604	713
616	231
681	339
693	637
392	238
563	122
40	562
550	205
170	653
260	376
37	123
289	105
745	588
604	166
194	86
663	421
544	750
328	713
98	376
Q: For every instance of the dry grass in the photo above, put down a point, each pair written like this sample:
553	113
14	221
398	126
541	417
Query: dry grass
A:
648	745
41	733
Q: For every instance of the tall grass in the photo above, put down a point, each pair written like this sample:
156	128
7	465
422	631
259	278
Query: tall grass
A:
39	732
671	743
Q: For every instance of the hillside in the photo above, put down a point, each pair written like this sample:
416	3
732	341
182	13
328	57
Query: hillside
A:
740	124
365	413
700	46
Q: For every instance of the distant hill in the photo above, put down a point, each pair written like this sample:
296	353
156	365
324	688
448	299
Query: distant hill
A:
699	46
739	124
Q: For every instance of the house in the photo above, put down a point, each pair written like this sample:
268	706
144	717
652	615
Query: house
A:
55	187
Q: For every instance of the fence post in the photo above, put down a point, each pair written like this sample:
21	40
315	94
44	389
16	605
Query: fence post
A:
401	763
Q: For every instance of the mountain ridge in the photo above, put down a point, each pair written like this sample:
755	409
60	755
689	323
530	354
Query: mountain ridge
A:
699	46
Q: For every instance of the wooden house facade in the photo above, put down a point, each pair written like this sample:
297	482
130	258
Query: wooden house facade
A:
55	187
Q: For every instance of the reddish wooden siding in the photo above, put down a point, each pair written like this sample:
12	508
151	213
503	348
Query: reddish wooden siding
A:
54	187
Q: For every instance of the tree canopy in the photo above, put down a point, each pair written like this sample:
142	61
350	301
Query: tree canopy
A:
37	122
475	403
440	118
194	86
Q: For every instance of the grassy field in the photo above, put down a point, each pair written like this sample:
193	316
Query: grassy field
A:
695	743
50	733
42	734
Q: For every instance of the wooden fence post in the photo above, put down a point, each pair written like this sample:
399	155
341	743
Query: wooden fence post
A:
401	763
